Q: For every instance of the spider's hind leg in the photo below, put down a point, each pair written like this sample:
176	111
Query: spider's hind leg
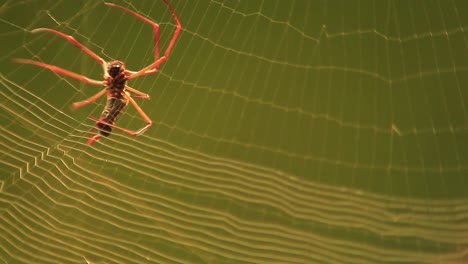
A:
104	130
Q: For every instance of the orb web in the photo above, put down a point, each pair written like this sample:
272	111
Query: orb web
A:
283	132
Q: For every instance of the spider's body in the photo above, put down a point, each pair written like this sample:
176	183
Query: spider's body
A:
119	94
117	99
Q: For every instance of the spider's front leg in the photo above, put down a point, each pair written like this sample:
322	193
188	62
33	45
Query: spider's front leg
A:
153	68
60	71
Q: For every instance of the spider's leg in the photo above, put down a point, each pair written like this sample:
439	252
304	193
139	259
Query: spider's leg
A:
60	71
139	94
93	139
142	114
153	68
89	100
153	24
132	133
77	44
176	33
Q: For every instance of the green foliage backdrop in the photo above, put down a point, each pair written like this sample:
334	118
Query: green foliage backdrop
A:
284	132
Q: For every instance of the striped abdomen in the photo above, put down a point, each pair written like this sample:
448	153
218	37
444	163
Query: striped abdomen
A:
114	108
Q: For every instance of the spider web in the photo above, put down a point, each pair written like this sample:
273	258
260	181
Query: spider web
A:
284	132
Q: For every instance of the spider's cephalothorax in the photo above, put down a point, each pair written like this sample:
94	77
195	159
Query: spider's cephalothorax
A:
117	76
115	68
119	94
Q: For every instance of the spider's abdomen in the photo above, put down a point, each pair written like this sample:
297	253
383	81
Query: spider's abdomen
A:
114	108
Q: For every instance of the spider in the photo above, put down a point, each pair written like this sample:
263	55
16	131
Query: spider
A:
119	94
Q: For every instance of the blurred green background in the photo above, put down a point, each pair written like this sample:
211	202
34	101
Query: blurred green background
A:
283	132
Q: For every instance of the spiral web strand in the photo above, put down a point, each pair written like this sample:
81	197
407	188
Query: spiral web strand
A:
284	132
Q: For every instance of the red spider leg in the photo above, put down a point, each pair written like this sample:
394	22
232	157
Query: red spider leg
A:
153	68
142	114
93	139
155	26
139	94
60	71
90	100
96	137
176	33
77	44
132	133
